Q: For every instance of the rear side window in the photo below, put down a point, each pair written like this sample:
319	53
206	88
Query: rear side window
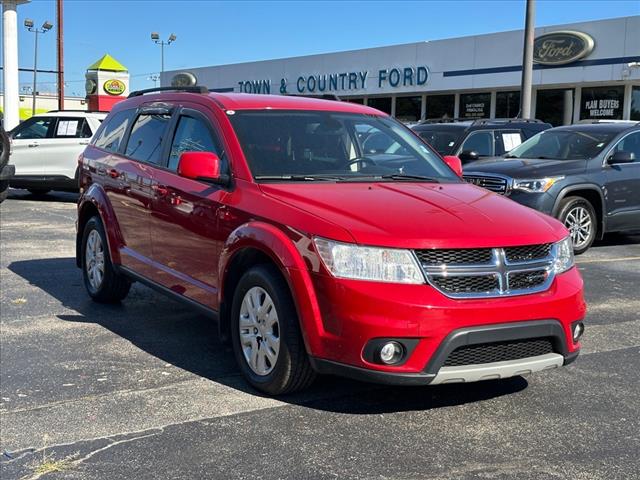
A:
113	129
192	135
37	127
72	128
146	137
480	142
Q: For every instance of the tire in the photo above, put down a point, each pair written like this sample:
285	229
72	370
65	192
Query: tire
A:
109	286
39	191
4	148
579	216
290	370
3	193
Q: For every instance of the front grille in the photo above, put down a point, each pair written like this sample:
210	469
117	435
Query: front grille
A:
470	284
488	272
524	280
498	352
528	252
495	184
470	256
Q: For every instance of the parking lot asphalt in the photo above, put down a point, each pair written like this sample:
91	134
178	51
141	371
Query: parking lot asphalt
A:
145	389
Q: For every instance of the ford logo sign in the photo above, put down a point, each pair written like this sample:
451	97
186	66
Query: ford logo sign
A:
558	48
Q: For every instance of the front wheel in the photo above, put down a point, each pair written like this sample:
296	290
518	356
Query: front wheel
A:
266	336
579	216
103	283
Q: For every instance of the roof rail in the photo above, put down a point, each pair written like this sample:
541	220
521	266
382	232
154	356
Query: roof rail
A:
191	89
445	120
483	121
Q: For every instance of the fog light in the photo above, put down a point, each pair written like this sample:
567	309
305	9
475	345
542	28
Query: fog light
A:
391	352
578	330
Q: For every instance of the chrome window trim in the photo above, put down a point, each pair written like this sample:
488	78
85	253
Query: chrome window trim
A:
498	266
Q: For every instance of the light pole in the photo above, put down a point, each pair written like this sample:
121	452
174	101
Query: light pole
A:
156	38
527	59
154	78
46	26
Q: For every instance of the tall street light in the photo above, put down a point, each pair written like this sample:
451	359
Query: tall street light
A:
156	38
46	26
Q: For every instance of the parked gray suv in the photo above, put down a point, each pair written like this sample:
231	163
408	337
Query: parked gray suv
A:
586	175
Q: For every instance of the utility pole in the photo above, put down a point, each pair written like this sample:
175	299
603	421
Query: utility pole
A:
60	45
527	60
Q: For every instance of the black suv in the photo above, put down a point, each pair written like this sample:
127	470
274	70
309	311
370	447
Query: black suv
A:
585	175
474	139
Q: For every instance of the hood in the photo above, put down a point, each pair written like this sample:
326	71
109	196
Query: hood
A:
526	167
420	215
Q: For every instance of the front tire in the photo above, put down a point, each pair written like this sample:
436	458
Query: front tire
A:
103	283
266	336
579	216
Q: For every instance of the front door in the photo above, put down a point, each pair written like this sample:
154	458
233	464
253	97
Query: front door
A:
623	187
184	224
28	140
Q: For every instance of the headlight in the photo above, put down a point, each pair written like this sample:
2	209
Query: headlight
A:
563	260
536	185
346	260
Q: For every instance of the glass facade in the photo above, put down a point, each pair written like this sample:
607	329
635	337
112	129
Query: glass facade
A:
475	105
440	106
550	106
380	103
507	104
602	103
635	103
408	108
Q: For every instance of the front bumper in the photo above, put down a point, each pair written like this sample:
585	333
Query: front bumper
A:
353	313
435	373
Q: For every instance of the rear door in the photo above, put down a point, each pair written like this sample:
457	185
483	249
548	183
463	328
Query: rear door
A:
185	213
70	137
623	186
27	142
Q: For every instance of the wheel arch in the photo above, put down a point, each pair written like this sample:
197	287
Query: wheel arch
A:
589	192
257	243
94	202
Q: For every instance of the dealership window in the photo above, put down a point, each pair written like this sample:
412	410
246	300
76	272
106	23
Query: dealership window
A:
408	108
380	103
507	104
354	100
475	105
635	103
551	104
602	102
440	106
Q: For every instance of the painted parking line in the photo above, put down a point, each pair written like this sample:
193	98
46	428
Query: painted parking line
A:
605	260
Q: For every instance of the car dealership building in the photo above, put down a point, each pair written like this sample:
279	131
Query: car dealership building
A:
587	70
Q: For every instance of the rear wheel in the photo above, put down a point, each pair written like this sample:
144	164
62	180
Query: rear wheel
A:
579	216
266	336
103	283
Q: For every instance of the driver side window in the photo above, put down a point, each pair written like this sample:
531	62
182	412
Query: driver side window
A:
192	135
630	143
34	128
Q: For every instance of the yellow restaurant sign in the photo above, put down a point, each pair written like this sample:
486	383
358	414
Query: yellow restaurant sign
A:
114	87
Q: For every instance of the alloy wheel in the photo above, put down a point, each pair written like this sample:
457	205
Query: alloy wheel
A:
259	331
580	225
94	259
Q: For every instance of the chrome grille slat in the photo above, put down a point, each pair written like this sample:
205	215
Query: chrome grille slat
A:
495	184
488	272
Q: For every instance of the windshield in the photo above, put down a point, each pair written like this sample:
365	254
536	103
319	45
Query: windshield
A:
301	146
442	140
563	145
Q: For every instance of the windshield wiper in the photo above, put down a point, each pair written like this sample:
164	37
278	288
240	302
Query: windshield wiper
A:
509	156
402	176
296	178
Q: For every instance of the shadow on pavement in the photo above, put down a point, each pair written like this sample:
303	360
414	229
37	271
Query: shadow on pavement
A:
175	334
52	196
612	239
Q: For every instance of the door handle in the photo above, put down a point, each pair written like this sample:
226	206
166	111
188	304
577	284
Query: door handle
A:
31	145
84	143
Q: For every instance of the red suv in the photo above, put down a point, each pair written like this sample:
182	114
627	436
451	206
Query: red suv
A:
325	237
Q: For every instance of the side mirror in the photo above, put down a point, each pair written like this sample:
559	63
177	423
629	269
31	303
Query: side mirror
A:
469	156
621	157
454	163
202	166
